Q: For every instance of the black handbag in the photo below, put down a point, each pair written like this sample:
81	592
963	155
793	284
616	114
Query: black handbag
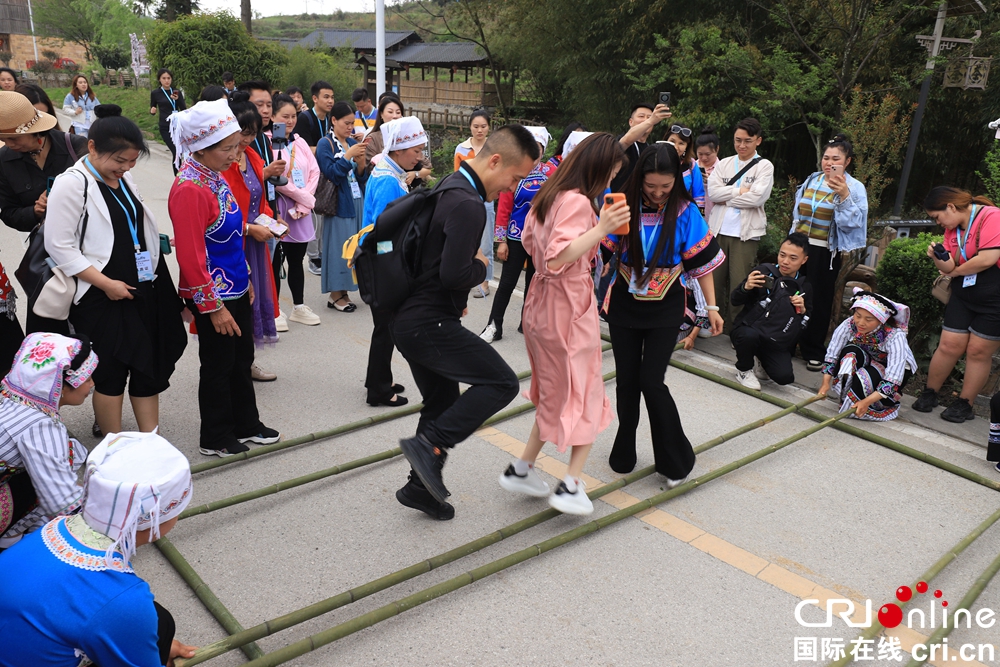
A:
326	192
37	270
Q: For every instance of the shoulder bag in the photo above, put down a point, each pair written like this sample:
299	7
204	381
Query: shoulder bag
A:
326	191
49	290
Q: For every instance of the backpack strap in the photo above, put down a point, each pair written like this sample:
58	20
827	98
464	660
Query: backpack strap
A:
738	175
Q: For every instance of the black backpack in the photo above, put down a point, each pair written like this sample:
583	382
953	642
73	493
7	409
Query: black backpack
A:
387	259
774	316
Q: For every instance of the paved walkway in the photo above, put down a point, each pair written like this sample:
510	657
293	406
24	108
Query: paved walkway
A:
712	577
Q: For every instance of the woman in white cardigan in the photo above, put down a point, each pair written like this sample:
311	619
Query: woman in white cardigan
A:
101	232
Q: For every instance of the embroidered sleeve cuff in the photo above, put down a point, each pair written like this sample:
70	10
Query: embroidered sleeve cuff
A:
609	244
500	235
205	299
702	322
708	266
829	368
887	388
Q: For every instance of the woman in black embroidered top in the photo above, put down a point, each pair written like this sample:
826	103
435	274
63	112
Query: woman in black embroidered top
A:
645	304
167	100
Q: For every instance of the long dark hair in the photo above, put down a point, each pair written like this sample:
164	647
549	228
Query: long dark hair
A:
662	159
939	198
386	100
587	169
246	112
112	132
36	95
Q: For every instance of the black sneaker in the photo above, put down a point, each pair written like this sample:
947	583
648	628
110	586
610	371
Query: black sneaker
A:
927	401
224	449
415	495
427	461
264	436
958	412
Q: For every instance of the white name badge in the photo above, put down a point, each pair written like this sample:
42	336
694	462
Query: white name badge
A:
969	281
144	265
270	192
633	286
298	178
383	247
355	190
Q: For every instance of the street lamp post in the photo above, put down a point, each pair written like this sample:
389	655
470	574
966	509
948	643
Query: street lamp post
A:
379	47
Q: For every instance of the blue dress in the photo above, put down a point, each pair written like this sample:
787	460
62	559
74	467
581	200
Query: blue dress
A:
335	276
88	609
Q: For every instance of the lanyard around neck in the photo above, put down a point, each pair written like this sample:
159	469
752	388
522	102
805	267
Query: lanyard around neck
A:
170	99
462	170
324	124
131	212
647	243
262	151
963	240
815	204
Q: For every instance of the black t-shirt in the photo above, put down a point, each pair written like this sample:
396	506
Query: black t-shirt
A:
456	229
632	152
121	264
159	99
311	128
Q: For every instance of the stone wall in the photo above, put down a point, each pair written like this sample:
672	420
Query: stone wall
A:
23	50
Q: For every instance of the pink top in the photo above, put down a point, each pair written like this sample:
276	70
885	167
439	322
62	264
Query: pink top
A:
986	227
298	156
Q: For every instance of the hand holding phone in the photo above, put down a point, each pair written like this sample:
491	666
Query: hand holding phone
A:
620	214
941	253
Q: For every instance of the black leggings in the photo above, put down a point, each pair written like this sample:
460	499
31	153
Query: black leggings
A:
165	135
294	253
508	281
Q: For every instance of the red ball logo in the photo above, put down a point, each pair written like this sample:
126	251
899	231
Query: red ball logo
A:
890	615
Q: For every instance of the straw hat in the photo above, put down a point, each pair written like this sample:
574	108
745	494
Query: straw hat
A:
18	117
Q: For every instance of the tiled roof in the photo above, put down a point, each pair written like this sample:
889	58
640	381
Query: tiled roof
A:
355	39
439	53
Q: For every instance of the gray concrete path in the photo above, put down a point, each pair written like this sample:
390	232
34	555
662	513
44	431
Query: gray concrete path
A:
710	578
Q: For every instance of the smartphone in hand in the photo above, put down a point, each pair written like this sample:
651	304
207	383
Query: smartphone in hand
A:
611	199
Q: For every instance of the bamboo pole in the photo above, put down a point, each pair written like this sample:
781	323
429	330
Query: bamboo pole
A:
945	630
404	604
928	577
353	595
205	594
391	415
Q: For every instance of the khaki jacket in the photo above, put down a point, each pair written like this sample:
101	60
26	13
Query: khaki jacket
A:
753	222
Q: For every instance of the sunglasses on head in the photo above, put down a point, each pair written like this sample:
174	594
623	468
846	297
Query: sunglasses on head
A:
683	131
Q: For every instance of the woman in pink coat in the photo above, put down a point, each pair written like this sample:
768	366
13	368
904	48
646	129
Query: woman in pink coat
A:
561	330
296	200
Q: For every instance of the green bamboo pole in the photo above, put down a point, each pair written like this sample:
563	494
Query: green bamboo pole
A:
846	428
967	601
329	433
356	624
336	470
928	577
291	619
205	594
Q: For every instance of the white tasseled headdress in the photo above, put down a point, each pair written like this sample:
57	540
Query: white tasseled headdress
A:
574	140
403	133
541	135
134	481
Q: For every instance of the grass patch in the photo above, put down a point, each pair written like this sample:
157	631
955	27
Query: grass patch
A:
134	104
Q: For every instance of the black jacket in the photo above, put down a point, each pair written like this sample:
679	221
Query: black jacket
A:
748	300
22	182
455	232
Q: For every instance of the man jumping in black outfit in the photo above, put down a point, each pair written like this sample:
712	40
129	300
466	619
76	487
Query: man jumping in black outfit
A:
427	328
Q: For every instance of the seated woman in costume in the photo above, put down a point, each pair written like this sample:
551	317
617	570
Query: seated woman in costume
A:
38	459
96	609
869	361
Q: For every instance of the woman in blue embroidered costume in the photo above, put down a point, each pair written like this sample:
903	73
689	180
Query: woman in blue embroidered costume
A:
38	459
869	360
96	609
512	209
209	230
645	305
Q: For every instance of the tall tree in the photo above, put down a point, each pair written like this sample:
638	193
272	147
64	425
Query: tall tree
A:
246	14
72	20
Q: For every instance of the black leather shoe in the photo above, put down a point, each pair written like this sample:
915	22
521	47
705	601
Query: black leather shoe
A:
398	389
391	402
413	494
621	460
427	461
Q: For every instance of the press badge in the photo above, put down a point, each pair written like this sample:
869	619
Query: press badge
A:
298	178
270	191
355	189
383	247
633	286
969	281
144	266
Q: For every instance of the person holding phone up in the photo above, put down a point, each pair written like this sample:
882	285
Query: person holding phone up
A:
831	209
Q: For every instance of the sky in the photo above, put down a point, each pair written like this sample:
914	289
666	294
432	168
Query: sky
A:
291	7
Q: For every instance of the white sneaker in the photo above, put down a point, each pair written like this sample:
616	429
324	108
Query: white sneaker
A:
281	322
489	333
529	483
304	315
747	379
571	503
759	372
673	483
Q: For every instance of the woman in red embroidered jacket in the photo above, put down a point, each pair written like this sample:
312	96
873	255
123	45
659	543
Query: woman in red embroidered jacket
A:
214	276
644	306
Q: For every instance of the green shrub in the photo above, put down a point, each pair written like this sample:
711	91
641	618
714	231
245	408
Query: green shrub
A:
112	56
199	48
778	210
905	274
305	67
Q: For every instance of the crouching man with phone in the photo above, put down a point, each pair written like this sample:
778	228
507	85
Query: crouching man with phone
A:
776	302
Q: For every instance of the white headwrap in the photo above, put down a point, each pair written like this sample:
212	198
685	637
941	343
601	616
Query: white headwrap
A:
574	140
877	306
541	135
134	481
201	126
42	364
403	133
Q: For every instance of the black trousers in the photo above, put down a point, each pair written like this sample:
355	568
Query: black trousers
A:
165	135
776	360
226	396
508	281
823	282
442	354
378	379
293	253
641	359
